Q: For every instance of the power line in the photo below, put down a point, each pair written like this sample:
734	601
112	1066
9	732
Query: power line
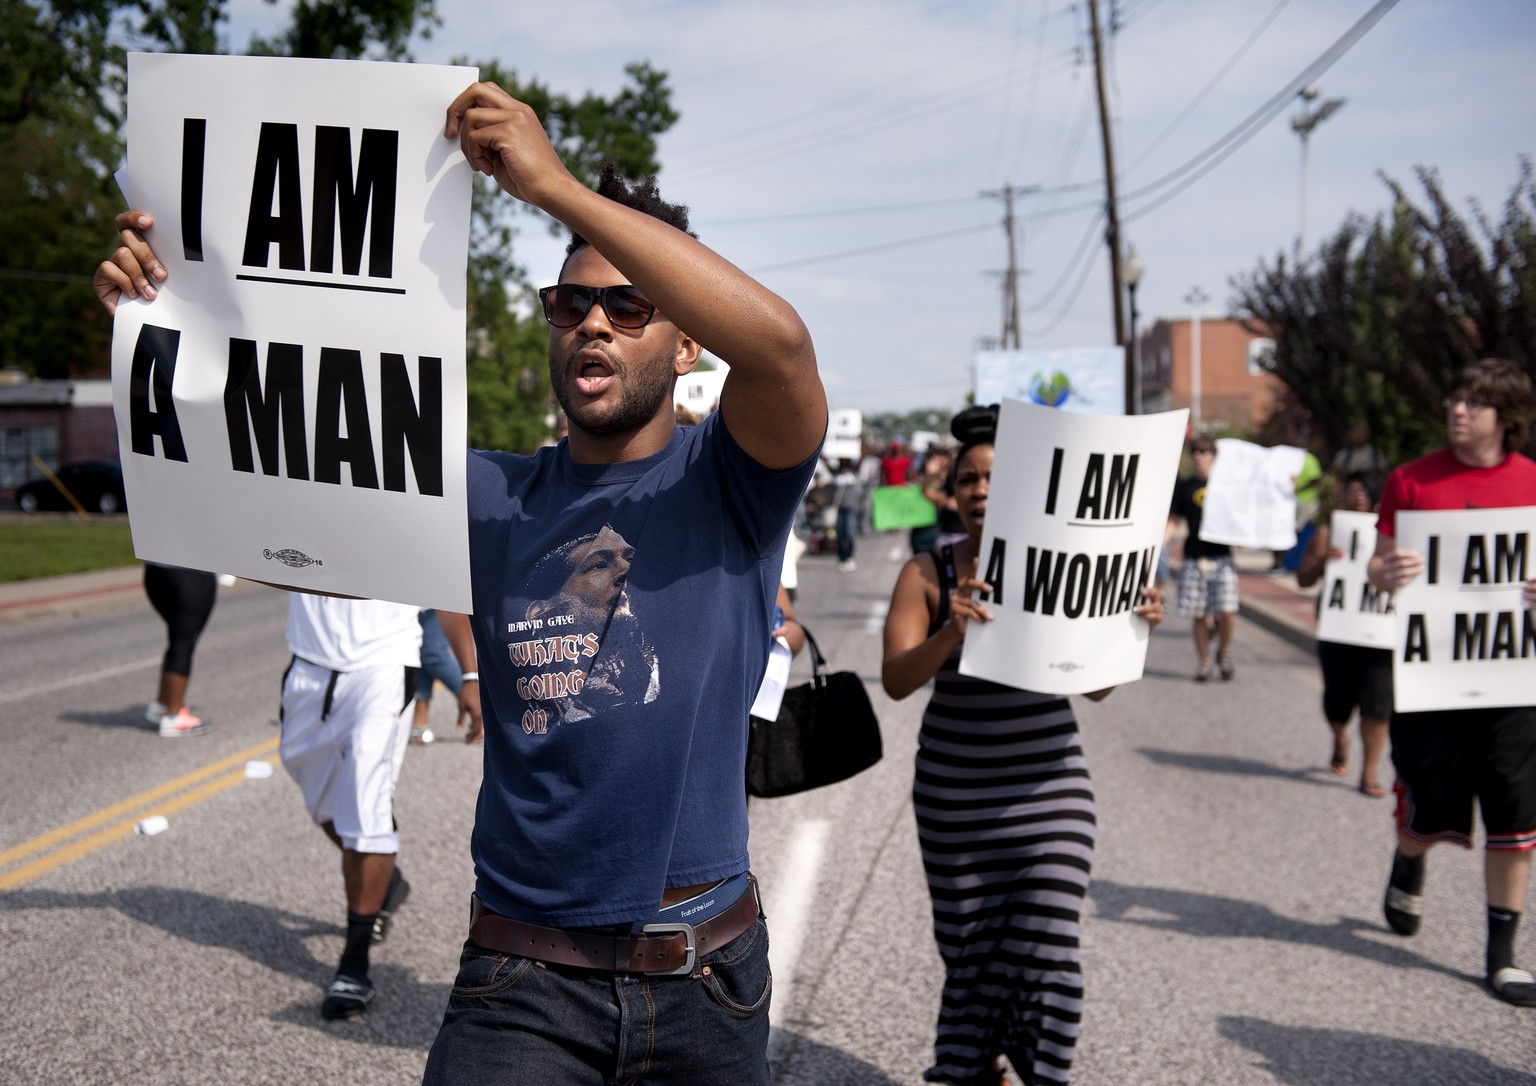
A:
1157	141
1066	309
1219	151
842	130
43	277
872	209
883	247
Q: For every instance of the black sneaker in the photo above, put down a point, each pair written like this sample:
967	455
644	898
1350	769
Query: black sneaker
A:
395	897
1515	986
346	997
1224	662
1403	905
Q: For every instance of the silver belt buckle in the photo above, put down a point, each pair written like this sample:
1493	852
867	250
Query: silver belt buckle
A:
691	939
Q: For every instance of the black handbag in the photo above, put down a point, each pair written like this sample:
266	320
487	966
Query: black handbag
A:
826	732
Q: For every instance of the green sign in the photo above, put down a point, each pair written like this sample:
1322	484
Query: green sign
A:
901	507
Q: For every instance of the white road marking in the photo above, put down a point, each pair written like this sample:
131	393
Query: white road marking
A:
80	680
788	908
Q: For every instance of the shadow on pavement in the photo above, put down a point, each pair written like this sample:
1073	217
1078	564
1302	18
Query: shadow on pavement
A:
131	717
404	1015
1245	767
1302	1056
1212	916
799	1061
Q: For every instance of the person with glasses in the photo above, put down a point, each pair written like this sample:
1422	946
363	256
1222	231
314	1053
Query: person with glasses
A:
660	911
616	932
1446	761
1207	579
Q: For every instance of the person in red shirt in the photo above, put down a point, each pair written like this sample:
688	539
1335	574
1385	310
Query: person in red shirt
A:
896	465
1445	760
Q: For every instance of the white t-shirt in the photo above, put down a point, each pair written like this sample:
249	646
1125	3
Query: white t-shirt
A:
348	635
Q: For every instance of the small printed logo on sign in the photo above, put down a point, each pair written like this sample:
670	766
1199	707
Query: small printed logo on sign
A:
1068	667
290	557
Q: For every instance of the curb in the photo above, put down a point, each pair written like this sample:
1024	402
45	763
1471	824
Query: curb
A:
1277	623
71	594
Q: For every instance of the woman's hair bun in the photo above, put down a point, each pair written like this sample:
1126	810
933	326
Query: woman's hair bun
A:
977	423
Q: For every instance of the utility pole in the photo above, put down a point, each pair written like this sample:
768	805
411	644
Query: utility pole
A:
1010	336
1112	202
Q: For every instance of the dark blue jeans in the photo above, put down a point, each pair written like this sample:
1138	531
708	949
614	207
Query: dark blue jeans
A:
513	1020
437	660
847	531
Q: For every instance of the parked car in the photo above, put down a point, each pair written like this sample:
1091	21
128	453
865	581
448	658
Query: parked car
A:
96	484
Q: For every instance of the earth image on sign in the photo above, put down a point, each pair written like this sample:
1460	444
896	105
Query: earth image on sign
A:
1050	390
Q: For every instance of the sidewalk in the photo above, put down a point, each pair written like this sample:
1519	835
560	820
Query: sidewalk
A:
71	594
1271	598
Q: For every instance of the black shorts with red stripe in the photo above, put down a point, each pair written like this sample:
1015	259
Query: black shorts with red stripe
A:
1448	761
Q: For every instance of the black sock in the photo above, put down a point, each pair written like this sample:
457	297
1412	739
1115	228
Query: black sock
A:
1502	925
354	959
1408	873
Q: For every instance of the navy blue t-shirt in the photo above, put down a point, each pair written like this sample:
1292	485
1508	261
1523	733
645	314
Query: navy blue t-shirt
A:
621	619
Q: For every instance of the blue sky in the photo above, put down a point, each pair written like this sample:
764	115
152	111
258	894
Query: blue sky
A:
819	142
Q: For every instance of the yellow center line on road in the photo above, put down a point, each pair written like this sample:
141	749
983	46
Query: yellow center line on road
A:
124	815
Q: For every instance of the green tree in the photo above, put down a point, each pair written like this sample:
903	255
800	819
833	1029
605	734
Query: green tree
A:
510	401
58	140
1374	326
61	98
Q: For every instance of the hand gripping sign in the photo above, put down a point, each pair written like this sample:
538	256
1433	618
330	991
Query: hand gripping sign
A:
1075	517
291	407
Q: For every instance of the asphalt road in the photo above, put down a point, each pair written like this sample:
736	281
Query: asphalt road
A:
1233	933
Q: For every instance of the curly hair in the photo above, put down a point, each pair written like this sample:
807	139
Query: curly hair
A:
976	425
1504	386
643	196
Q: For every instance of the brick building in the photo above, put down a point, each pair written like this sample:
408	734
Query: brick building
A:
56	421
1236	395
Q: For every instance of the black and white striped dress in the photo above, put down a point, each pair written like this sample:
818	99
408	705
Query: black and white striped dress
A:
1005	818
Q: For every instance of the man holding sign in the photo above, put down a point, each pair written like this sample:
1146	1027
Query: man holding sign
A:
1447	759
623	583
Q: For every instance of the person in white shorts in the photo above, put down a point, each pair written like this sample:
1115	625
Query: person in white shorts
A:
1208	579
345	724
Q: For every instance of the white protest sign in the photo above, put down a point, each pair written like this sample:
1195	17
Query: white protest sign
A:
1353	611
1075	518
1465	638
845	436
1250	499
291	407
699	391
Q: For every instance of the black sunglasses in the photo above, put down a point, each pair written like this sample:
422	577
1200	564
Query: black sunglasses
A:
567	305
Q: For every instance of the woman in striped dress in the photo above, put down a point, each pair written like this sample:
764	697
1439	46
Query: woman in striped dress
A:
1005	814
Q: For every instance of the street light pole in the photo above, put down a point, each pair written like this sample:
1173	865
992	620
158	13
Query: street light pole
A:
1131	272
1303	124
1197	298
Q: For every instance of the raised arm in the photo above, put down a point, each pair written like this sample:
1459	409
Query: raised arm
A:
773	402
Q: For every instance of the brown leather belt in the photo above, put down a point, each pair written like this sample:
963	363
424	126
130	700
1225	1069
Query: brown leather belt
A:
658	948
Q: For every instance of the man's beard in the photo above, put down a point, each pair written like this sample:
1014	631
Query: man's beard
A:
645	386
